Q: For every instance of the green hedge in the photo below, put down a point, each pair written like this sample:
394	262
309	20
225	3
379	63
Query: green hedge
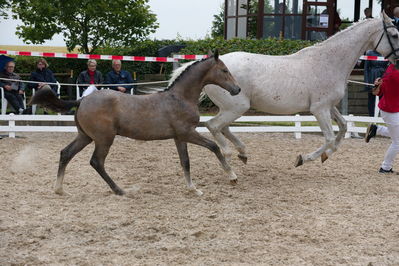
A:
266	46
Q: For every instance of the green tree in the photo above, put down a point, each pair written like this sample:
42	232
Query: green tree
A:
218	24
4	5
84	23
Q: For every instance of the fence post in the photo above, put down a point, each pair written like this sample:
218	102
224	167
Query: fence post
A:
298	124
11	123
350	124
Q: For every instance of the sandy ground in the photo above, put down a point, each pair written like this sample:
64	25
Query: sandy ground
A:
341	212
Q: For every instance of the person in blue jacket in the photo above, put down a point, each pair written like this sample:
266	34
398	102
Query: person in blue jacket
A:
119	76
43	75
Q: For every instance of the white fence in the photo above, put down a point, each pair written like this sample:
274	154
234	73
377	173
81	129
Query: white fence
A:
297	128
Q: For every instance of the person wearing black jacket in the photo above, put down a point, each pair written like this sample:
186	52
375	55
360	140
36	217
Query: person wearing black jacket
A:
90	76
13	90
43	75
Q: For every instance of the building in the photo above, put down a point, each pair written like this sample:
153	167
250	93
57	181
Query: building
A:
296	19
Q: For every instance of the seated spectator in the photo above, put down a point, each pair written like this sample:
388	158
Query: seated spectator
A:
119	76
90	76
13	90
43	75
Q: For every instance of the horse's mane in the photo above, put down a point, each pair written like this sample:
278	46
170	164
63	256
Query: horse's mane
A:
337	35
179	72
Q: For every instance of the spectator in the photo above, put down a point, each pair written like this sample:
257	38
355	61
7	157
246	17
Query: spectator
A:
388	88
13	90
368	12
43	75
396	17
372	71
90	76
119	76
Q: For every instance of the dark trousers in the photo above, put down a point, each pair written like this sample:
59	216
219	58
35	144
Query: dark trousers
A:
371	103
15	99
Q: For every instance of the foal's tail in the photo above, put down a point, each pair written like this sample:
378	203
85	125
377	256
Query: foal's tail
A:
48	99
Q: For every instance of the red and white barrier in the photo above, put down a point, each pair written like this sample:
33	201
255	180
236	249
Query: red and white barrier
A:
190	57
92	56
373	58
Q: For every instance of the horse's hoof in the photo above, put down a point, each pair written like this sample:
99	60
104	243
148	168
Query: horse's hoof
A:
198	192
324	157
59	191
234	182
299	161
243	158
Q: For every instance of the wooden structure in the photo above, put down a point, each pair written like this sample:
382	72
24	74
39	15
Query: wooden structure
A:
295	19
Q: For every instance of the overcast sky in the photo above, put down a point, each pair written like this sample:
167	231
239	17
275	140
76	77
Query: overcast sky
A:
185	18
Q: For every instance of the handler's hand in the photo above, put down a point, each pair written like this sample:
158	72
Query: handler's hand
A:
378	82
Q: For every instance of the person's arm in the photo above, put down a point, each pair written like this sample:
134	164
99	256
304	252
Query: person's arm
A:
52	79
109	80
33	78
129	79
81	80
377	87
100	80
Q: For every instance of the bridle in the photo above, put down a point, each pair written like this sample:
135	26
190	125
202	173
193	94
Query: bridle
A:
393	50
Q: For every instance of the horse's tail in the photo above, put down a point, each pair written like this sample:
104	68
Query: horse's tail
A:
47	98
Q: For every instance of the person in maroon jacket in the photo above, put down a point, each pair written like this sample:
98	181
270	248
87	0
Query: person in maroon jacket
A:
388	88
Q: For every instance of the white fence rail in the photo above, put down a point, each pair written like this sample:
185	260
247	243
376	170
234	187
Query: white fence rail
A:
297	128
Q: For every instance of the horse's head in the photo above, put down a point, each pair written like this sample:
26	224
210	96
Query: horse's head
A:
388	42
220	75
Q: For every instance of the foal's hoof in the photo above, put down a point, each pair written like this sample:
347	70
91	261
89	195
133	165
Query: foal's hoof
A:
119	192
243	158
299	161
324	157
234	182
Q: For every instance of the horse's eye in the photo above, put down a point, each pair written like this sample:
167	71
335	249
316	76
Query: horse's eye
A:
225	70
395	36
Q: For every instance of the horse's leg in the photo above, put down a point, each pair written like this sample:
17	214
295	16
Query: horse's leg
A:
342	125
195	138
324	119
66	156
237	144
185	163
97	160
228	113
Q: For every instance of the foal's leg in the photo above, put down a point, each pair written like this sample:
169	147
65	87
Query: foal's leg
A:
67	154
195	138
97	160
185	163
342	125
324	119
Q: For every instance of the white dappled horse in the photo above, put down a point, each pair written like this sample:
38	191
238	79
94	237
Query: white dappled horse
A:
313	79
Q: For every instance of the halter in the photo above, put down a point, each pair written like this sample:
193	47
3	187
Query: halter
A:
393	50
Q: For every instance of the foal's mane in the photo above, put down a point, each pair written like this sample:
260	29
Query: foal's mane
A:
179	72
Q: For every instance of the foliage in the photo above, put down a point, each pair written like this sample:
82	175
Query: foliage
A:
4	5
218	24
268	46
88	24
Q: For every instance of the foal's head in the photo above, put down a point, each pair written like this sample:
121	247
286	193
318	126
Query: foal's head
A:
219	74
